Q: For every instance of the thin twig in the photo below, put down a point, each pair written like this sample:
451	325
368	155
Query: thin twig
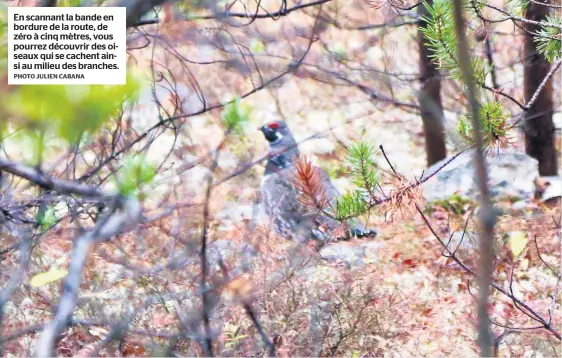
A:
550	73
528	310
227	14
268	343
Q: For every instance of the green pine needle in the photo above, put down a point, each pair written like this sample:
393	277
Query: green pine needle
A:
493	120
363	167
350	205
549	39
442	39
135	173
235	115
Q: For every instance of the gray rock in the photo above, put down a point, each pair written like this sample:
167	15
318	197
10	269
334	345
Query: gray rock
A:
319	274
553	188
518	205
511	175
557	118
353	255
371	250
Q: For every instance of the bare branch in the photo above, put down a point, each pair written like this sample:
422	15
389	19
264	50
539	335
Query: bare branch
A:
114	224
46	182
228	14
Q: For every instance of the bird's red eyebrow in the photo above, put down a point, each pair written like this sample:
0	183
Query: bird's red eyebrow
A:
273	125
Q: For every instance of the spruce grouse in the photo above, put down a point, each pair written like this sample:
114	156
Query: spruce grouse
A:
280	198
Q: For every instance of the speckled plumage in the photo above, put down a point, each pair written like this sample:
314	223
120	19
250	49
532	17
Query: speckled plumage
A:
287	215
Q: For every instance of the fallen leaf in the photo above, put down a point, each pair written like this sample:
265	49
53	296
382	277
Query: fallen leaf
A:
517	241
44	278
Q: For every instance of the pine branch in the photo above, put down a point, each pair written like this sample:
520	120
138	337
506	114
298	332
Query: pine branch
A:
308	181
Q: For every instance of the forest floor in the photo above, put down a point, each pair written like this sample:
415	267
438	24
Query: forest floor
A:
401	297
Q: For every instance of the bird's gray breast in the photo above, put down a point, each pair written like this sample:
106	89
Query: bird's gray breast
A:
278	193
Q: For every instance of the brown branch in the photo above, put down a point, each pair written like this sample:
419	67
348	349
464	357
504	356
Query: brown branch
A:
520	19
487	213
528	310
114	224
15	279
550	73
228	14
137	8
46	182
268	343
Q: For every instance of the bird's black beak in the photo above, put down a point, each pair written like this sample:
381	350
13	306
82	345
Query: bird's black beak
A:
269	133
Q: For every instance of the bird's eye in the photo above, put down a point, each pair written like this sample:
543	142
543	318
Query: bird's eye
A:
273	125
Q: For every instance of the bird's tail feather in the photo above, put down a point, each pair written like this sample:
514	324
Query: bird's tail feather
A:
363	233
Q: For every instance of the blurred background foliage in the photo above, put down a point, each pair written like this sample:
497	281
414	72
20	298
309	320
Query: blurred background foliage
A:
68	112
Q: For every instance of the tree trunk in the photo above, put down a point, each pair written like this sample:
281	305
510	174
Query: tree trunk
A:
430	99
538	127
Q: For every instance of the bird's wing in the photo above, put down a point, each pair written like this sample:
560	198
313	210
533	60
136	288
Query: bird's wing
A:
280	202
291	219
